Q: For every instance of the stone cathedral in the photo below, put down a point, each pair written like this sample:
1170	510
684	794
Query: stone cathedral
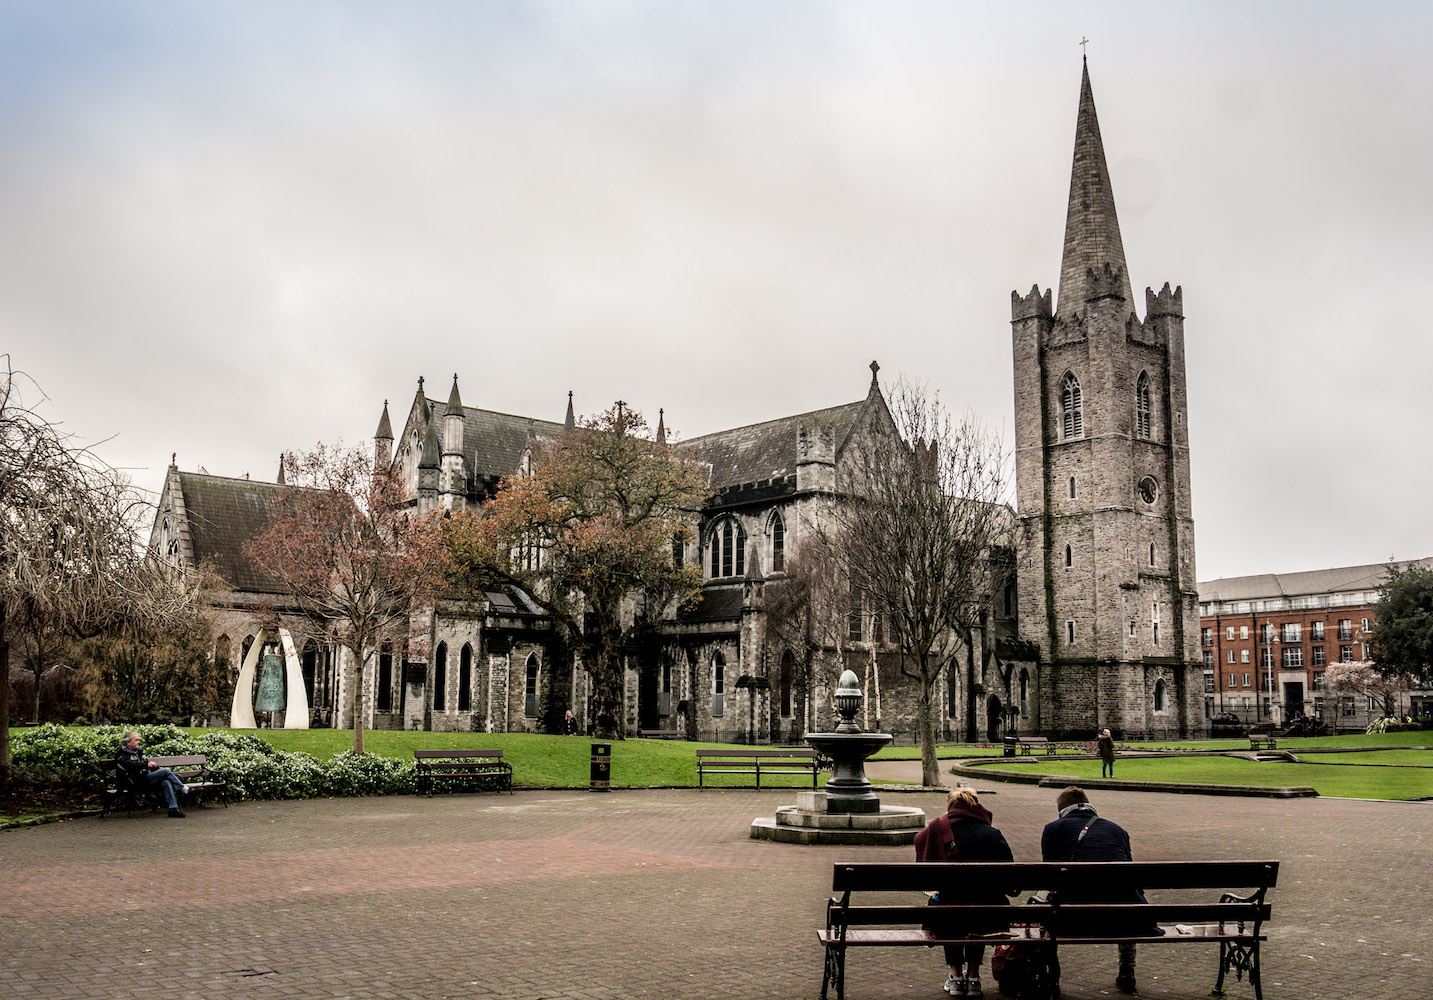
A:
1099	628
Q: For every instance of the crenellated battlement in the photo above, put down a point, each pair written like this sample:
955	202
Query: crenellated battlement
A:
1032	306
1164	302
1104	283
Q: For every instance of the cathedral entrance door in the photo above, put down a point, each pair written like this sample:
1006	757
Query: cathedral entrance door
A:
994	716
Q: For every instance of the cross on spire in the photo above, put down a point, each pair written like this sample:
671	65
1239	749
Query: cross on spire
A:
1084	52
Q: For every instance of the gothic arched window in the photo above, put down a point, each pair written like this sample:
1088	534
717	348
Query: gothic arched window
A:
530	688
465	678
1159	695
728	548
788	667
440	677
1072	407
1141	406
778	545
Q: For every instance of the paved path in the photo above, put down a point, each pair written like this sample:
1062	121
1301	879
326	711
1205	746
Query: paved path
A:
654	894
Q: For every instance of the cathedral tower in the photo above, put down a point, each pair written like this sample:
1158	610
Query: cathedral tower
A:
1106	577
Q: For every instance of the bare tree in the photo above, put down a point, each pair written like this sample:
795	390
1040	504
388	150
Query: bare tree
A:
809	611
69	563
356	561
925	531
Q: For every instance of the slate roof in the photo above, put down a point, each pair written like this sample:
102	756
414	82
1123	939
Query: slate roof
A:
718	604
223	514
1340	580
764	451
493	442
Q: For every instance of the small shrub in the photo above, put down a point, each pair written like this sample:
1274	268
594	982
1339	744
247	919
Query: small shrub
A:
369	774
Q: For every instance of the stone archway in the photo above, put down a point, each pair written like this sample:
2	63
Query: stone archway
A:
994	718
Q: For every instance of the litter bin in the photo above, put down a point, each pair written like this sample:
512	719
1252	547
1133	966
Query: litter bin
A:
1012	743
601	780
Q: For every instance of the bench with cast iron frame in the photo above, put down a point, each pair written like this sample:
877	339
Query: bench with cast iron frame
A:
478	770
757	762
1234	922
122	791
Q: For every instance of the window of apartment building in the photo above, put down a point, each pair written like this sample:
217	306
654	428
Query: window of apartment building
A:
1072	407
1233	680
1345	654
1318	682
1292	632
1208	682
1319	658
1366	624
1229	633
1246	680
1345	628
1206	636
1243	632
1243	656
1316	631
1230	655
1293	656
1346	706
1266	633
1208	659
1266	657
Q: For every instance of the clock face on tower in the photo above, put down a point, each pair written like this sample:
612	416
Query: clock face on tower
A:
1148	489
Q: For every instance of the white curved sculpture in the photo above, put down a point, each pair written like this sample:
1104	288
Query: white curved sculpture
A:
241	711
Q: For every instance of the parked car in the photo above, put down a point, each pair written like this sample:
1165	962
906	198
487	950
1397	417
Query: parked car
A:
1226	724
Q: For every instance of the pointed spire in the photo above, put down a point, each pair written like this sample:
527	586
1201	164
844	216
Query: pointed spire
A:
569	422
661	426
1092	231
455	402
385	429
432	450
281	469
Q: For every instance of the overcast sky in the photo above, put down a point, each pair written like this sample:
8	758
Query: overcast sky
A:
228	229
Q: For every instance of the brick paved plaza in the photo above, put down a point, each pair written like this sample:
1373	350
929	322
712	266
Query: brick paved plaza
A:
654	894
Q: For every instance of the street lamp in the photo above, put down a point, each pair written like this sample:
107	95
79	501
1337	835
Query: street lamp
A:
1273	700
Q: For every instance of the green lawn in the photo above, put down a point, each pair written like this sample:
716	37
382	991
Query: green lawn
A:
538	761
1352	781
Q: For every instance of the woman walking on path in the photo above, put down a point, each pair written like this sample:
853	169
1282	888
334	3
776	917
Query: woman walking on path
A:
1107	755
964	833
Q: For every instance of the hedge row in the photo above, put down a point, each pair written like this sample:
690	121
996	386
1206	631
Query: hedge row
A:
254	769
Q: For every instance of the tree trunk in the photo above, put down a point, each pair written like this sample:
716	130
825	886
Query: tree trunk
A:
972	728
925	719
359	662
4	700
607	679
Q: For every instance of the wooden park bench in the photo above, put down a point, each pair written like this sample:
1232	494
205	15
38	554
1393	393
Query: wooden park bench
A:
662	734
200	780
1264	741
1027	745
773	761
477	769
1234	922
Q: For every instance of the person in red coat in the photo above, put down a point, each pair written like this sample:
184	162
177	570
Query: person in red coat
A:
964	833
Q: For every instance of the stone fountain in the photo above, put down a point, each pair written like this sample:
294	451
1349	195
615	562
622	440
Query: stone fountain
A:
848	811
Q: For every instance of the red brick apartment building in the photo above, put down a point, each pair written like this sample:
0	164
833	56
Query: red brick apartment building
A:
1266	639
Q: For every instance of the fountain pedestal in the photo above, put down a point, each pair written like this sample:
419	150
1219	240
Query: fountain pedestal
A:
848	811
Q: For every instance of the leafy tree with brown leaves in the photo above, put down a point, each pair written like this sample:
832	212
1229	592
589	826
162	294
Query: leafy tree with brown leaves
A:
588	534
356	560
924	534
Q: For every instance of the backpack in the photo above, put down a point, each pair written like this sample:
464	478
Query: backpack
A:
1025	970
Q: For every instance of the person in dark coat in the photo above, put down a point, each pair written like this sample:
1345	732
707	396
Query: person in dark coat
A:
964	833
146	773
1107	754
1081	835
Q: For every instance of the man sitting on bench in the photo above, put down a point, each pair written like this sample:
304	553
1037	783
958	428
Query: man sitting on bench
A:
145	773
1080	835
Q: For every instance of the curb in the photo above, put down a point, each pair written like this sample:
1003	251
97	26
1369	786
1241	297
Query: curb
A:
16	824
1058	781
